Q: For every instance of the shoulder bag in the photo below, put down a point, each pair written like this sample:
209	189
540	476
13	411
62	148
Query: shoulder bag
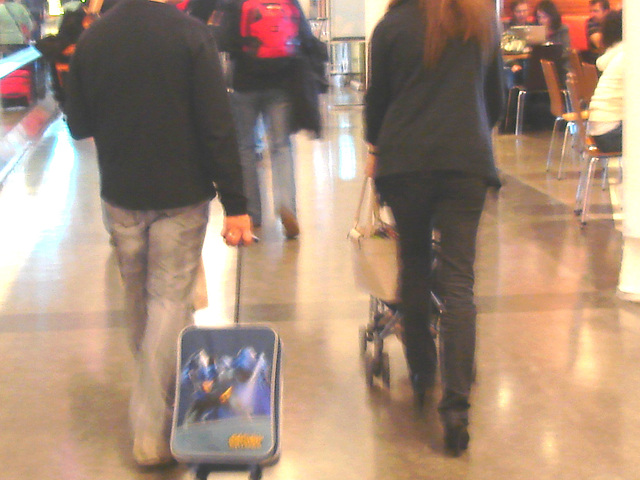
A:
374	247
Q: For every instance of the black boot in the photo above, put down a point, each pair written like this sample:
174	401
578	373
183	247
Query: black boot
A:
454	413
456	436
421	383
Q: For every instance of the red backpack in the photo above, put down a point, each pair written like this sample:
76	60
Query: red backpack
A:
270	26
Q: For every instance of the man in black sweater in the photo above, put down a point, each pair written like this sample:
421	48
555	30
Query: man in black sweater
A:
146	83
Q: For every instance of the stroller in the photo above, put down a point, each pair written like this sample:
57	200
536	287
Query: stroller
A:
374	241
385	319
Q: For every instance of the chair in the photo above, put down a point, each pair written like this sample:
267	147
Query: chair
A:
561	108
589	81
575	64
577	30
533	79
589	152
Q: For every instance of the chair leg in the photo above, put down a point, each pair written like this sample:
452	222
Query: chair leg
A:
620	172
587	189
519	111
581	184
605	173
553	138
567	129
507	117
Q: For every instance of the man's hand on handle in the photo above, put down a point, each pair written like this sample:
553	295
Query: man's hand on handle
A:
236	230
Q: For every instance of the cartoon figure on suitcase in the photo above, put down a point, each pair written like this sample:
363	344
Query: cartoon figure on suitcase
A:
210	392
251	388
226	387
228	398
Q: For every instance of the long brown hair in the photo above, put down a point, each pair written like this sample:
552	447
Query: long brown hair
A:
447	19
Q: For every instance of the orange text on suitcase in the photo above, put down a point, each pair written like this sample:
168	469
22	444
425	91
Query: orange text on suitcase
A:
245	441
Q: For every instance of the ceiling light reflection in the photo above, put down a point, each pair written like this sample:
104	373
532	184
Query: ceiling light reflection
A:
505	396
346	157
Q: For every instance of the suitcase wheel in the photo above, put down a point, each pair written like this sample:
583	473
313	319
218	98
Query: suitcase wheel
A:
203	471
255	473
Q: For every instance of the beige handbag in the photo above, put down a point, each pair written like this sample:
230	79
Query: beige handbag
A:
374	247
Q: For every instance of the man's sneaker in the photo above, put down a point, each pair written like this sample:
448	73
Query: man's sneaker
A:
148	453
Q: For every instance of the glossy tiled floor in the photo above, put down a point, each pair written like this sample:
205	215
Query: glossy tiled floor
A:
558	386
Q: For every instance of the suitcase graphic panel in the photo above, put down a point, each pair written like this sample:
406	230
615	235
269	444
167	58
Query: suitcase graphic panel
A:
228	395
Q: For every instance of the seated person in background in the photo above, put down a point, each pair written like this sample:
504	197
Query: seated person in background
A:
519	18
548	16
598	9
519	14
606	109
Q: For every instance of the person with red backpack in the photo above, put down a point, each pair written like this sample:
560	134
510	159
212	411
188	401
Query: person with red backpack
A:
266	40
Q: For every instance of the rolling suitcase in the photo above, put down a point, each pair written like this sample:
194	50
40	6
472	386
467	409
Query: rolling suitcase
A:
228	396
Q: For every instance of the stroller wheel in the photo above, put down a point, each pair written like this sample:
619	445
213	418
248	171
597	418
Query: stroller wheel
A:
369	368
378	347
385	370
364	340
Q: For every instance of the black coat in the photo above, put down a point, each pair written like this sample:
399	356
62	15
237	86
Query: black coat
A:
308	81
431	119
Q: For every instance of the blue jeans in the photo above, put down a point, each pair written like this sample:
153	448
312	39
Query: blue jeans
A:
158	254
274	107
451	203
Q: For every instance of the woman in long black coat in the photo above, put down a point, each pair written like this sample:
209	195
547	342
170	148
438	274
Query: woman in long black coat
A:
435	92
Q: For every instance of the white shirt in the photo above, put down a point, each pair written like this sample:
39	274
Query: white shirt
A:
606	109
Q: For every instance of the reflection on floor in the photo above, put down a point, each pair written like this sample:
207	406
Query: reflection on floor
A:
20	128
558	388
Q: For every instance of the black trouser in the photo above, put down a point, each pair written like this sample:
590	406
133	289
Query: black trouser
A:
610	141
451	203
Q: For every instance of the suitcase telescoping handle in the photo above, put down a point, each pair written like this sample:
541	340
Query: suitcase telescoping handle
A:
236	310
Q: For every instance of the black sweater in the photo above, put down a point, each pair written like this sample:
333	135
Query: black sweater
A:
146	83
430	119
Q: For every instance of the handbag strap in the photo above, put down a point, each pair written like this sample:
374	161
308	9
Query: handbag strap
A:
363	191
368	186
